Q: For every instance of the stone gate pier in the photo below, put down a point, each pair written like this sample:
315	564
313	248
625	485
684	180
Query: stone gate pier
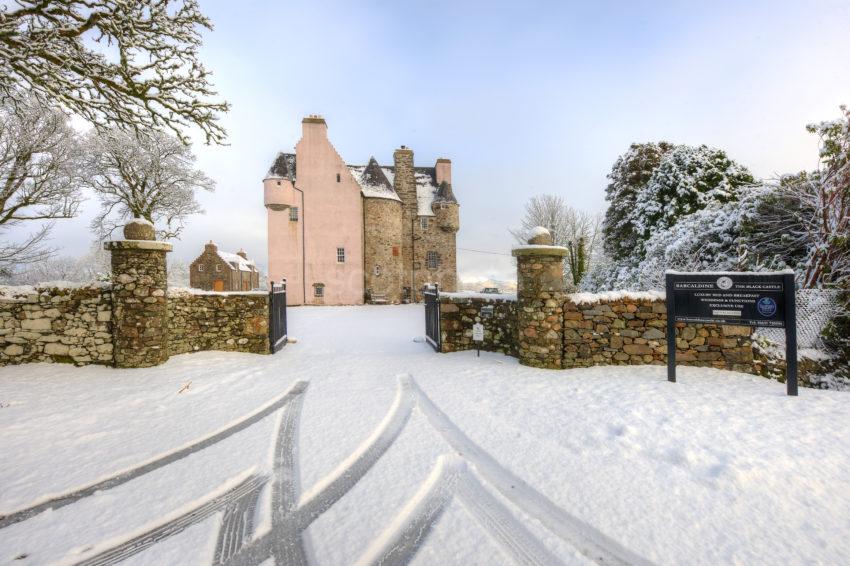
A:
139	297
540	301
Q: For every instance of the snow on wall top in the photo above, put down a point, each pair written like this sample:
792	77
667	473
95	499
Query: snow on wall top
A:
477	295
13	292
612	296
192	291
237	261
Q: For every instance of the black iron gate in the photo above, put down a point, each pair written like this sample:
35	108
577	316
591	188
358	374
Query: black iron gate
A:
431	294
277	315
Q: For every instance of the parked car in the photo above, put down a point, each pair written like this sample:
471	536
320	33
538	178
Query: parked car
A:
490	290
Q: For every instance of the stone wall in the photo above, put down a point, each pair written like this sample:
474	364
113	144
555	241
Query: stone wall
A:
620	329
236	322
631	329
55	324
459	311
382	248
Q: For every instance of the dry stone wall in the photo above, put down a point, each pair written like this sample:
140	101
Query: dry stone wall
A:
236	322
459	312
623	329
56	324
631	330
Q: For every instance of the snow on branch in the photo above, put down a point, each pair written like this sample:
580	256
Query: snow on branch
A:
113	62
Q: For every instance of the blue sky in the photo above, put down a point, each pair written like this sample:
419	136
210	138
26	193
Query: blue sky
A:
524	97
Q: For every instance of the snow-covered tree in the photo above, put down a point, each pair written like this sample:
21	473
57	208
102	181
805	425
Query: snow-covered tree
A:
686	180
578	231
39	176
113	62
93	266
629	175
178	273
150	176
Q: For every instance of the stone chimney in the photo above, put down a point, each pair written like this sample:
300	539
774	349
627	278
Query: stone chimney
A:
314	126
444	170
404	182
242	253
210	247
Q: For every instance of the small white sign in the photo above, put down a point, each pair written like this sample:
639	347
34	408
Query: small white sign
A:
478	332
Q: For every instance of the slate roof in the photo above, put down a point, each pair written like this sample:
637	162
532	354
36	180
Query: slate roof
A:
283	167
376	181
237	261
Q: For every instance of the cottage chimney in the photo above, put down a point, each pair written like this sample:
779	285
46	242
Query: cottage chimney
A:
242	253
210	247
444	171
404	182
314	126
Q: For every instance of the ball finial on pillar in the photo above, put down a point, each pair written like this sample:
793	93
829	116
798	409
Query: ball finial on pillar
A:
540	236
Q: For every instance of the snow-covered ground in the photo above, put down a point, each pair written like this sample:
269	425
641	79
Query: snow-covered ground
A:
358	443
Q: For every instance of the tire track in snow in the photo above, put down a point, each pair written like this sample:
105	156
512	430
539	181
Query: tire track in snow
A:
285	541
152	536
592	543
294	391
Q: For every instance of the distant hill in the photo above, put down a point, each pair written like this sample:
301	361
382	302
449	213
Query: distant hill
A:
478	283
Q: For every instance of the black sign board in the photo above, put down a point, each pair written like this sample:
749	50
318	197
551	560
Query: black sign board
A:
743	299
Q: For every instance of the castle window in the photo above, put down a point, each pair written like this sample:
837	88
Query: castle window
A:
200	267
293	213
318	290
432	260
338	178
340	255
423	222
378	270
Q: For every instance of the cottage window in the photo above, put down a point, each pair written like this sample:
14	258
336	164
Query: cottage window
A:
340	255
432	260
318	290
395	251
423	222
200	267
218	266
293	213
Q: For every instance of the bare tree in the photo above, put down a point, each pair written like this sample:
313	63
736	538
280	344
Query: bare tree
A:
113	62
149	176
93	266
578	231
39	176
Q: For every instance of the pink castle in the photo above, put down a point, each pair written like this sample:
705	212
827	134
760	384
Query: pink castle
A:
346	234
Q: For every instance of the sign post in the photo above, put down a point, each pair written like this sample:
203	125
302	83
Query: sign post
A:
478	335
738	299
